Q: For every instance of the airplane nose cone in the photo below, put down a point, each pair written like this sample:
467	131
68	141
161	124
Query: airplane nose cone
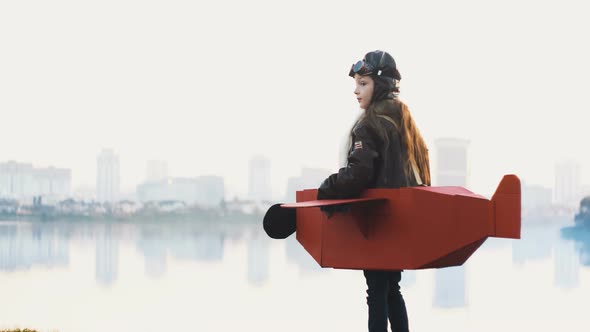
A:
279	223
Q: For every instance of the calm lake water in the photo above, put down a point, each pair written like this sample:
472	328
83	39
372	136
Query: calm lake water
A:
226	277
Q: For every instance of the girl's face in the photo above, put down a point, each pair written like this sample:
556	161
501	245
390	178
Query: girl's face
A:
363	90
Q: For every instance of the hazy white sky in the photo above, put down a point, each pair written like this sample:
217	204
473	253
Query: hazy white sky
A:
206	85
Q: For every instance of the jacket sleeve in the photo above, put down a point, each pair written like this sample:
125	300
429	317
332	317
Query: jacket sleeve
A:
358	174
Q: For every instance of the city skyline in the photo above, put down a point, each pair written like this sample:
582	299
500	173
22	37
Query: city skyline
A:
279	177
309	178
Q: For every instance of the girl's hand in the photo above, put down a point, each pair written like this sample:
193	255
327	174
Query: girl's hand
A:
329	210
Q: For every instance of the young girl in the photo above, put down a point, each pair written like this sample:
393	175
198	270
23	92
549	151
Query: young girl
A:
387	151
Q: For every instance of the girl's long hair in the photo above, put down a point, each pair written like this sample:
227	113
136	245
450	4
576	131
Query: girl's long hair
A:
411	139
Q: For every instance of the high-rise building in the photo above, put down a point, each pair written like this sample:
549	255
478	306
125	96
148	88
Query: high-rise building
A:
107	176
310	178
451	163
23	181
210	190
156	170
567	183
534	196
259	187
53	181
16	179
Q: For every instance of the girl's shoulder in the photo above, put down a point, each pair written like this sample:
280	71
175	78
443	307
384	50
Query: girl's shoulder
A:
363	125
370	128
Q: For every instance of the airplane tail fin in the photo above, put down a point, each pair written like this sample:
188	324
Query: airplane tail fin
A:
506	202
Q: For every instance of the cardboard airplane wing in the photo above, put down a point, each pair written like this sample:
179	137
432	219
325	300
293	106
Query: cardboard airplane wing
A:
399	229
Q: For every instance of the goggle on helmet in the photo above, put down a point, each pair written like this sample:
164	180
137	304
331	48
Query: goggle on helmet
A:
362	68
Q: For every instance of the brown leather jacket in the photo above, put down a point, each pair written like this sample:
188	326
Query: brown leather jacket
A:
371	164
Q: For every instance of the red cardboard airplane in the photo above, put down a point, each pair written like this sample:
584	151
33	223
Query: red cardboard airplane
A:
399	229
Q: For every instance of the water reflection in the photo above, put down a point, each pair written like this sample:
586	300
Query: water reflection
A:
580	236
567	266
536	244
23	246
175	261
408	278
154	252
107	256
449	287
258	259
29	244
196	246
297	255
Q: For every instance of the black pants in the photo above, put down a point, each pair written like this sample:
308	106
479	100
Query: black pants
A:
385	300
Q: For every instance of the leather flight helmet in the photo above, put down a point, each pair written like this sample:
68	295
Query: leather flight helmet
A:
381	66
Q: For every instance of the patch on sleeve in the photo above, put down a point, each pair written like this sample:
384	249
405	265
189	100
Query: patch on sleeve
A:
358	145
